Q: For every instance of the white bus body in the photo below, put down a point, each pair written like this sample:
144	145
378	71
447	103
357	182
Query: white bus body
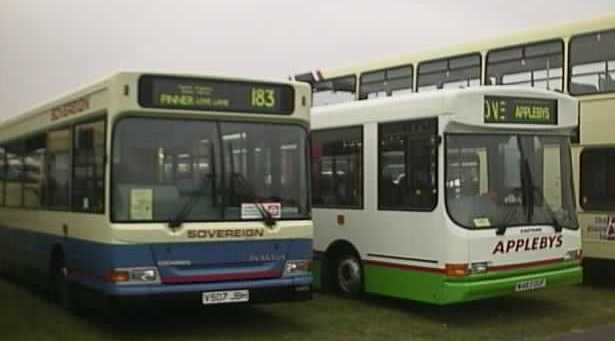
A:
395	180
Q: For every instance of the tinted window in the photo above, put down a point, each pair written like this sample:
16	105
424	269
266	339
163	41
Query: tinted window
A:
598	179
389	82
14	174
58	168
536	65
592	63
2	175
457	72
33	175
407	165
88	167
337	168
332	91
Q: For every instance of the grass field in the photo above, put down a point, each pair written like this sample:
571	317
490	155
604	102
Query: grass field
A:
27	314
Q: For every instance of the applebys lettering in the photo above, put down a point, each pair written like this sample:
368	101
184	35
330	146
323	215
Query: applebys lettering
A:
528	244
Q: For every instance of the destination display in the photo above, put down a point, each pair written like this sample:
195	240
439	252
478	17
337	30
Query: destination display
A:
215	95
517	110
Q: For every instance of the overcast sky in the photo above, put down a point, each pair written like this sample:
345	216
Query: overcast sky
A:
49	47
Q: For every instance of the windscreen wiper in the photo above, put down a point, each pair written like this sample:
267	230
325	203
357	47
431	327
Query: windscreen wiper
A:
178	219
526	184
248	191
531	191
556	224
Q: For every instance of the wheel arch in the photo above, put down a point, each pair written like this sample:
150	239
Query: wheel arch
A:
341	246
334	251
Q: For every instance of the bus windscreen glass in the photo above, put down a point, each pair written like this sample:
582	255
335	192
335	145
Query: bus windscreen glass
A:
509	180
215	171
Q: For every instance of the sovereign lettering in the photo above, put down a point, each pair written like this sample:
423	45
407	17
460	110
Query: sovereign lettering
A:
226	233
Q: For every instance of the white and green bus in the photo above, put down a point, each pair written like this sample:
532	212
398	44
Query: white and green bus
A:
576	58
151	185
446	197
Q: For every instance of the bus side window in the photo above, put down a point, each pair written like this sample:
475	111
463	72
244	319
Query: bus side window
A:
388	82
337	168
2	175
58	168
407	165
14	174
597	174
88	167
34	176
592	63
535	65
333	91
450	73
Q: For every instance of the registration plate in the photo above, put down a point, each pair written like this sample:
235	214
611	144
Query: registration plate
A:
230	296
532	284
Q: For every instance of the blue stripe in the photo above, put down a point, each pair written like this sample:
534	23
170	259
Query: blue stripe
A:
90	262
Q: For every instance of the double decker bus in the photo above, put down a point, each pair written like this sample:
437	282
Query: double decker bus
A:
149	185
577	59
446	197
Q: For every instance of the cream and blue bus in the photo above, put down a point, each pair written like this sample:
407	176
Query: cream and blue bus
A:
153	185
577	59
446	197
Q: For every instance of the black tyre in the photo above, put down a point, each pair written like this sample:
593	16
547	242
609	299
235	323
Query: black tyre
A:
349	275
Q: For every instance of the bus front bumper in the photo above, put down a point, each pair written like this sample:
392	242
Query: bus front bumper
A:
272	290
508	282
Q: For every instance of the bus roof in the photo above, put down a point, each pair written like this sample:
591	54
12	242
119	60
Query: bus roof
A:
523	37
463	103
109	80
117	89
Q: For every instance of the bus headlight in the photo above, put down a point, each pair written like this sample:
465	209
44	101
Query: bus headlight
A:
134	276
479	267
298	267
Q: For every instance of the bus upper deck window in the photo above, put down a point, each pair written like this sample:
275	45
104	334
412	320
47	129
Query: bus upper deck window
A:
536	65
592	63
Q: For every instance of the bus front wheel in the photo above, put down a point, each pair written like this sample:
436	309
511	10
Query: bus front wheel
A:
349	275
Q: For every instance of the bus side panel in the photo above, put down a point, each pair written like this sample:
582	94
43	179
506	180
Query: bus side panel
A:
597	129
596	121
26	254
317	270
398	282
90	263
598	234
